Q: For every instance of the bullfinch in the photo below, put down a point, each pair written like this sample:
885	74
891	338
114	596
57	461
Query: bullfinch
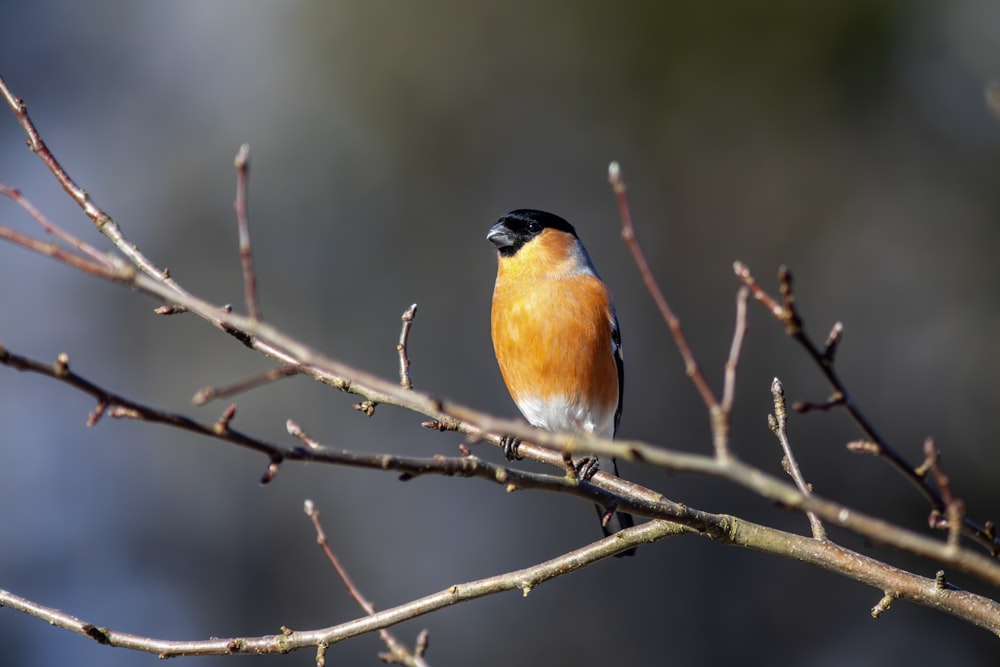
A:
555	334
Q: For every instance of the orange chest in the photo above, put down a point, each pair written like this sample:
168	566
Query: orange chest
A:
553	337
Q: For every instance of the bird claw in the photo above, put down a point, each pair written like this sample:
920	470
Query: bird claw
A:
586	467
509	445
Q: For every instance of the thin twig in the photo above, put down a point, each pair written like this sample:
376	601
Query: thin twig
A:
398	654
626	495
833	342
524	580
779	426
58	253
269	340
225	419
902	585
876	444
104	223
628	235
642	502
954	508
242	164
274	343
206	394
122	407
404	360
252	333
719	414
739	334
52	228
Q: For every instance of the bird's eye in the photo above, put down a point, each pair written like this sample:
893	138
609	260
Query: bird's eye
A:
534	227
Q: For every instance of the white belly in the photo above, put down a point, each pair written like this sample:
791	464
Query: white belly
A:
561	414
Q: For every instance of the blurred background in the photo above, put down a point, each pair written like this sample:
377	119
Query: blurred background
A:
849	140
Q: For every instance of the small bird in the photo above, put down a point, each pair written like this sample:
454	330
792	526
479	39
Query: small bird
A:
555	334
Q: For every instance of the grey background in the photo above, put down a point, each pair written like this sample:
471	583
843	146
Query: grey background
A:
847	139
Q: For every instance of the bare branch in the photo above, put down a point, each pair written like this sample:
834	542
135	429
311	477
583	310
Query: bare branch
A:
833	342
628	235
824	359
524	580
242	164
779	426
398	653
719	414
739	334
954	512
979	610
265	338
104	223
673	518
511	479
743	273
94	268
262	336
603	488
206	394
52	228
404	361
639	501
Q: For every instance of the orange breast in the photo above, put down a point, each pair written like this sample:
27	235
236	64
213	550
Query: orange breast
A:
552	339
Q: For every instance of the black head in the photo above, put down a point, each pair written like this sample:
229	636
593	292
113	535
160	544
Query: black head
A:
518	227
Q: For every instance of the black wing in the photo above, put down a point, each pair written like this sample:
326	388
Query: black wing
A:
616	338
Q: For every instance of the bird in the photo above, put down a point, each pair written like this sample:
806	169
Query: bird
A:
556	336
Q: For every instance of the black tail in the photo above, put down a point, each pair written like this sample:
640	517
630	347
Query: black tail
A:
619	520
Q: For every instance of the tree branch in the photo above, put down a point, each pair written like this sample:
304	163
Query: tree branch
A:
670	518
398	653
628	235
524	580
242	164
786	313
404	334
636	499
924	591
779	426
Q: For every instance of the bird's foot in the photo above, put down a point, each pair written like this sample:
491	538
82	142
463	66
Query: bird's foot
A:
509	446
585	467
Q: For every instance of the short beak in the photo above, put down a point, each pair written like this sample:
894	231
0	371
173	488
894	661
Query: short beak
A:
500	236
